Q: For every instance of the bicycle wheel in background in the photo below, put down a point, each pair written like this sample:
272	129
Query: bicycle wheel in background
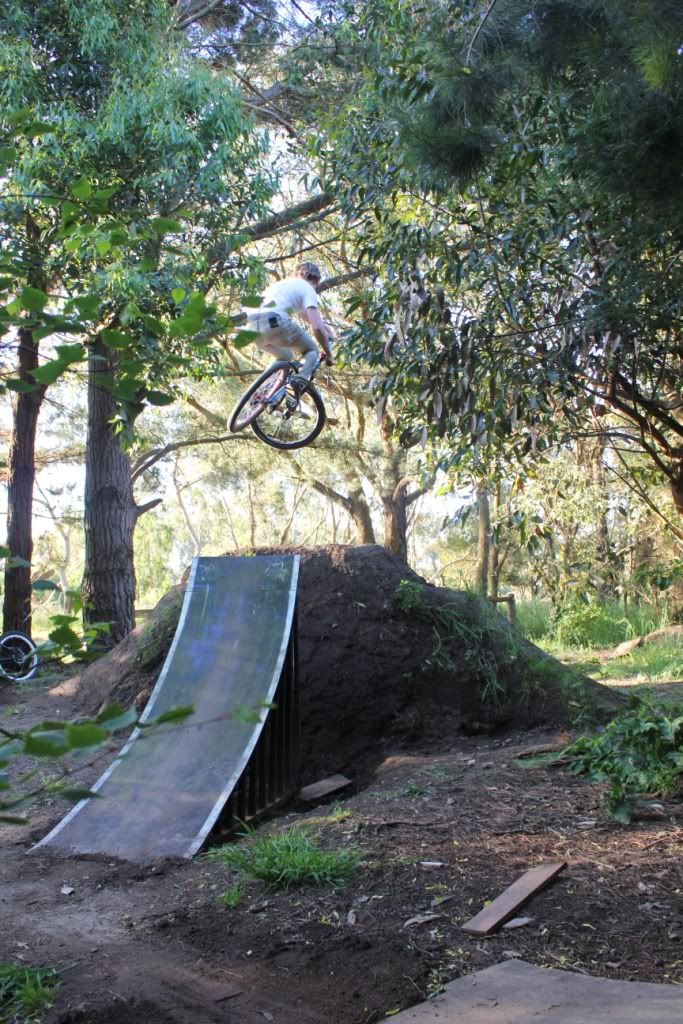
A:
253	401
18	658
287	429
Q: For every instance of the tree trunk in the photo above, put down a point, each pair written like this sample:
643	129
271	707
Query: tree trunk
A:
495	563
359	512
110	514
21	472
396	522
484	547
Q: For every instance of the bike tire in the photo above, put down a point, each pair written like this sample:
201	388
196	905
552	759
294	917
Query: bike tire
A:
18	658
250	406
269	431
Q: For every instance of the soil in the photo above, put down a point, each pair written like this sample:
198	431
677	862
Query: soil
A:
441	811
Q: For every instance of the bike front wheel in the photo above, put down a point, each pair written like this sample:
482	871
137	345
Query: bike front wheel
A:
288	428
18	658
255	398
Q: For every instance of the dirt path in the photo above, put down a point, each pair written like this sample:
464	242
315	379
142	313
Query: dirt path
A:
439	835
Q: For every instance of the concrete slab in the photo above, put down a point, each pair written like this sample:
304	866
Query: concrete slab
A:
519	993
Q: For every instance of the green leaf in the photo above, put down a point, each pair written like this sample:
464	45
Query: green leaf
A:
79	794
87	305
49	372
178	714
159	398
8	154
22	387
114	718
165	226
81	189
185	325
622	811
45	744
70	353
178	294
65	637
42	585
32	299
252	301
244	338
115	339
82	736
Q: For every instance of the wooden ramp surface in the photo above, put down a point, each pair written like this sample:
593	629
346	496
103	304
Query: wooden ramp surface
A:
519	993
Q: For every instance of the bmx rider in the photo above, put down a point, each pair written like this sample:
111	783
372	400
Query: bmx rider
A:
279	334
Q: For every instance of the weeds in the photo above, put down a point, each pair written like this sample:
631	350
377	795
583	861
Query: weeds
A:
233	896
289	859
638	753
26	992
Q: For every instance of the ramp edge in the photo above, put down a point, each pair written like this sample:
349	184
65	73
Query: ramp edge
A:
211	819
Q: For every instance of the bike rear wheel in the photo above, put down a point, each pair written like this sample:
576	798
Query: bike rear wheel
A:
287	429
255	398
18	658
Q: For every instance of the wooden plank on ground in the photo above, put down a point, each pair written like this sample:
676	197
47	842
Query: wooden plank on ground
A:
514	897
318	790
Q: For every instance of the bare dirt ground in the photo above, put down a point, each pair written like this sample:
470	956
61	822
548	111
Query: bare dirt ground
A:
439	835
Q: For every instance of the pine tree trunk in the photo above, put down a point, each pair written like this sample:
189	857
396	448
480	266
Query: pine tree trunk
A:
21	472
110	515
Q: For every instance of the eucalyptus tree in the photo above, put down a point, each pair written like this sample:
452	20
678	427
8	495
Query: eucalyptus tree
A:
112	213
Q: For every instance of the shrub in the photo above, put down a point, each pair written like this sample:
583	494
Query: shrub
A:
639	753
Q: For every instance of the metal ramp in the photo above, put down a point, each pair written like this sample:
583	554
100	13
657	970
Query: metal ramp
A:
233	656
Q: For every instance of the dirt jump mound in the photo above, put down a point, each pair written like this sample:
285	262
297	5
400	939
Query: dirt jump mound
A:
387	661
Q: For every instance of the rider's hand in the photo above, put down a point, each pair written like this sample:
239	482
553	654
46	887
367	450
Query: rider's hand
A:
328	360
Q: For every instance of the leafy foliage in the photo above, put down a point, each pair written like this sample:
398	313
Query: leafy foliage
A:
638	753
55	740
530	281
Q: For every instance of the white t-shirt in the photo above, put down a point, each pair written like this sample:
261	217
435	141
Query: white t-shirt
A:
291	295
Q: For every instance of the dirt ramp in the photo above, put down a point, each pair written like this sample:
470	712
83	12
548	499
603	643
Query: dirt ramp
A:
386	660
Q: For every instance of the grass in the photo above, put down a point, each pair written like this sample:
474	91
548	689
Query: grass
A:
233	896
292	858
26	992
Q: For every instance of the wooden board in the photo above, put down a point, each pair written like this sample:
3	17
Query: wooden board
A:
317	790
514	897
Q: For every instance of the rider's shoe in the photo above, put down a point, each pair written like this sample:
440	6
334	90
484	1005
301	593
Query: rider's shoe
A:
296	384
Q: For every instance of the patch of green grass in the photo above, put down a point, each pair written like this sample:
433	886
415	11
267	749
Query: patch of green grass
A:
232	896
26	992
290	859
338	815
534	618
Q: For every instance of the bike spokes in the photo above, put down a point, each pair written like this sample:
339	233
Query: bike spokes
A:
293	422
258	402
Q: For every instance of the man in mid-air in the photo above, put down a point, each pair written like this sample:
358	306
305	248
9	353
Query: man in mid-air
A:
279	334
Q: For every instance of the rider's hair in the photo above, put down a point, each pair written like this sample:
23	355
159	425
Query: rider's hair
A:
309	270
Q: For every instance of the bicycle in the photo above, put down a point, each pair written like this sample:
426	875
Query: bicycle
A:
277	413
18	658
